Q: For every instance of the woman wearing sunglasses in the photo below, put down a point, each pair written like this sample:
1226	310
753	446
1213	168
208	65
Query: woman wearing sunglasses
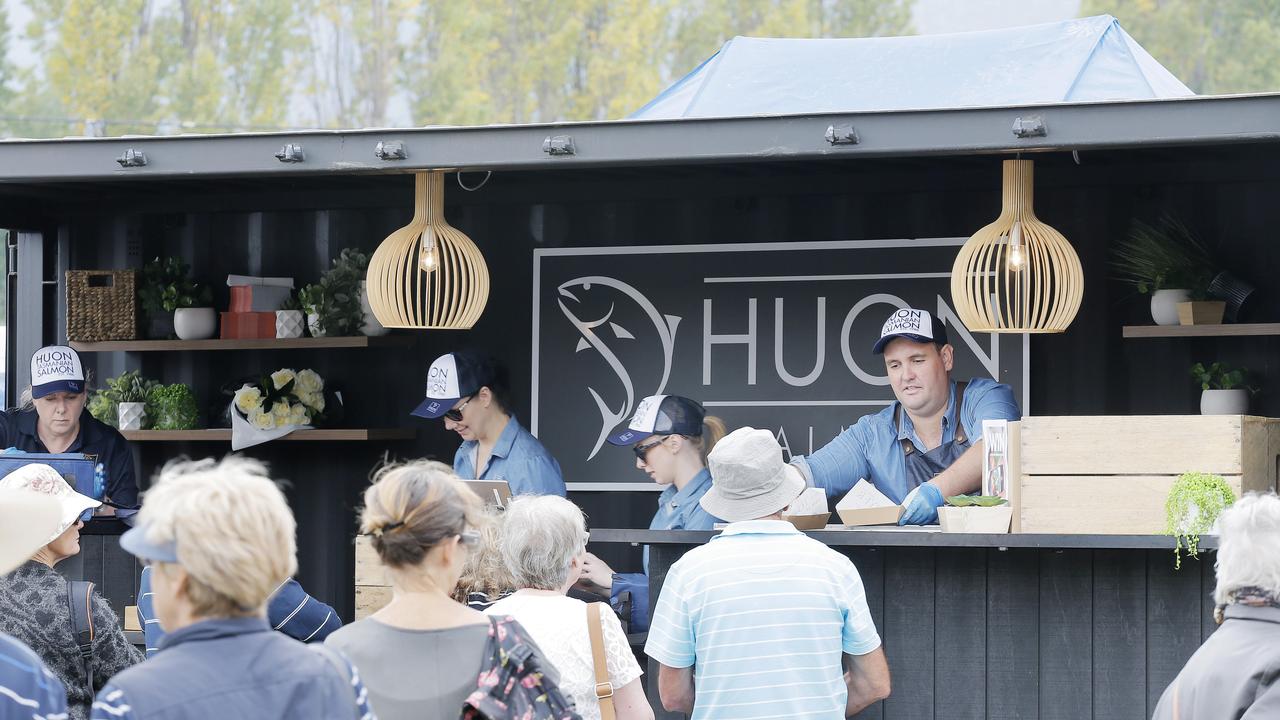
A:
469	392
670	436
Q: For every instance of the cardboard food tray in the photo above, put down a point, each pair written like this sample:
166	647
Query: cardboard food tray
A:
871	516
808	522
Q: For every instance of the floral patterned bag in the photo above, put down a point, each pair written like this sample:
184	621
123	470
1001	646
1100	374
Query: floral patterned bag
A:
513	686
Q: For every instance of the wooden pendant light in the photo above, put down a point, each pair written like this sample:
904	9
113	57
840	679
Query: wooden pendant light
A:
428	275
1017	275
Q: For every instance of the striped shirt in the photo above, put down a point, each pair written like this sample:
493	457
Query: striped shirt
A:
765	613
28	691
291	611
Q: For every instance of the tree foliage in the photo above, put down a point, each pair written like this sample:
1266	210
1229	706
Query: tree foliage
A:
143	66
1215	47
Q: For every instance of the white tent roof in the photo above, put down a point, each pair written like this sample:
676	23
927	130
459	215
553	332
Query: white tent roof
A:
1082	60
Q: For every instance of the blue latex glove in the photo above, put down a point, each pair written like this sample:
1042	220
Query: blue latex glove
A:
922	505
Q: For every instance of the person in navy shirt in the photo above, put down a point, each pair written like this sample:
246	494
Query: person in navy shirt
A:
927	445
469	392
671	436
57	422
28	689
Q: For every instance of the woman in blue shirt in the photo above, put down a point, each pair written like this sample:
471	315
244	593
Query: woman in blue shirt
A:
469	392
671	436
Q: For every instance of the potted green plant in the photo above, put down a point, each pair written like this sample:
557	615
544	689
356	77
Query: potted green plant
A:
1194	503
122	403
172	407
333	305
290	320
1169	262
975	514
167	288
1224	390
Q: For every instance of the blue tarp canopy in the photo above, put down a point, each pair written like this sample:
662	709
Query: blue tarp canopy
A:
1082	60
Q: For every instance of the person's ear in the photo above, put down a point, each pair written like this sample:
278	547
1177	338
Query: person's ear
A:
485	395
676	442
948	354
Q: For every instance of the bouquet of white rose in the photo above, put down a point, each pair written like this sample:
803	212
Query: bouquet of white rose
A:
277	405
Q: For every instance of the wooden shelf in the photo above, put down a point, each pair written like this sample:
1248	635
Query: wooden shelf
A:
319	434
1239	330
358	341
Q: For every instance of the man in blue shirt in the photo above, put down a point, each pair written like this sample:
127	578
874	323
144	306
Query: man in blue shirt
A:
28	689
776	623
469	392
927	445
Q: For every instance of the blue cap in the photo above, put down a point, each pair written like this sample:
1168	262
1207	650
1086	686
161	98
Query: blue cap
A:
135	542
452	377
916	325
662	415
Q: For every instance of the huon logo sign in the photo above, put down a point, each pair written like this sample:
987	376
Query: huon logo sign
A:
774	335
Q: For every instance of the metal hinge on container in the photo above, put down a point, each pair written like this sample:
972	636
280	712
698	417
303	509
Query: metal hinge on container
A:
291	153
559	145
132	158
1032	126
844	134
390	150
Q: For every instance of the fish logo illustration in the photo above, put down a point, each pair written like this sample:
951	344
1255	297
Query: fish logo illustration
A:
664	325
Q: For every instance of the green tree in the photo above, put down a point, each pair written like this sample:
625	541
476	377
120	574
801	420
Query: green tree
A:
1215	47
354	58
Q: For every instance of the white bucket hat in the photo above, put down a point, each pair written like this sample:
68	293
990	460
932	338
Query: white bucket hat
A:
44	480
27	520
748	478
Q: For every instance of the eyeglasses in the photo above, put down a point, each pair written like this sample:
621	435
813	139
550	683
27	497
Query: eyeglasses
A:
456	413
642	450
469	537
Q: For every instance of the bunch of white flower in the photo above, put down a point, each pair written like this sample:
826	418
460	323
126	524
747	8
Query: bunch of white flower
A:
272	406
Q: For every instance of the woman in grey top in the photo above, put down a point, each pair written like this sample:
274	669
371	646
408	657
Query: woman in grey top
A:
33	599
422	655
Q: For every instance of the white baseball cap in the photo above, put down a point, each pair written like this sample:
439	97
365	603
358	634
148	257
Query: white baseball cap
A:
44	480
56	368
450	378
915	325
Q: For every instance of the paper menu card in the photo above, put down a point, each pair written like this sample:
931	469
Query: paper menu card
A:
813	501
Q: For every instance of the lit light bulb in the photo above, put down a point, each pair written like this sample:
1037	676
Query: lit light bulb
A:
1017	259
428	257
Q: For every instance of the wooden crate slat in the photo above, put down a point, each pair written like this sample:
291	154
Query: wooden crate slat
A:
370	599
1133	445
1098	504
369	569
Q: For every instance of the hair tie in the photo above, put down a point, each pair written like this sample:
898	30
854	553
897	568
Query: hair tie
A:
386	528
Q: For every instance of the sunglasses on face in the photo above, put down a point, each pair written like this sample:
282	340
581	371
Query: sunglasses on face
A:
642	450
456	413
469	537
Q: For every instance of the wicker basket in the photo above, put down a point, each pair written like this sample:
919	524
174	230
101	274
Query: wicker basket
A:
102	305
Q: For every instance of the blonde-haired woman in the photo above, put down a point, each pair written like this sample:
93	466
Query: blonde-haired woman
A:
671	436
219	537
426	655
543	542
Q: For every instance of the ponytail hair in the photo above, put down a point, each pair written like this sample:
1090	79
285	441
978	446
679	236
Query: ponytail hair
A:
713	429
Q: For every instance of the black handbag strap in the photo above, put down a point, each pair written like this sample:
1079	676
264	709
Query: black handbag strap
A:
80	601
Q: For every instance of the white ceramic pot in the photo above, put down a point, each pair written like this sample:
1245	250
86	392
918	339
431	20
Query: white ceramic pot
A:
131	415
975	519
313	324
1164	305
371	326
288	323
1224	402
195	323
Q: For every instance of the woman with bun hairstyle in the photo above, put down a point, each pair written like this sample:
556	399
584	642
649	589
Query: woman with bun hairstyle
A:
670	436
425	655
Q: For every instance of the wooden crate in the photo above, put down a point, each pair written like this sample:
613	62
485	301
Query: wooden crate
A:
1111	474
373	590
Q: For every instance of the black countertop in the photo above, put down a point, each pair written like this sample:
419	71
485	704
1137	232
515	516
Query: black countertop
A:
893	537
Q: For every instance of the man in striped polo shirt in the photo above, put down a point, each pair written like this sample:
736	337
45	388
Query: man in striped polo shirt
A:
27	688
775	622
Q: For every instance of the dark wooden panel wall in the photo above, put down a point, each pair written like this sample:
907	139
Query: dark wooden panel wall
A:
294	227
975	633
